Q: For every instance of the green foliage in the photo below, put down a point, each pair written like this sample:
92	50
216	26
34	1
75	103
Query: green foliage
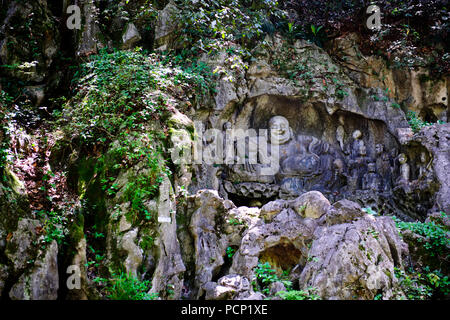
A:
265	275
340	92
230	252
206	24
370	211
147	243
118	96
436	234
120	91
97	258
55	226
423	286
235	222
308	294
317	37
415	122
315	30
5	100
127	287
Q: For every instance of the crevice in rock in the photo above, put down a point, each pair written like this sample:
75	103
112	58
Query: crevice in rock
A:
282	257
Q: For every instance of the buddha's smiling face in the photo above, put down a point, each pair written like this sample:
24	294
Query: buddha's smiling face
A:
279	130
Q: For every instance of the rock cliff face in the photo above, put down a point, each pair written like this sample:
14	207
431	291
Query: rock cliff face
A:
334	120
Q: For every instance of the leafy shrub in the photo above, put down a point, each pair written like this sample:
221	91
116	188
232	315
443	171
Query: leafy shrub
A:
436	234
127	287
423	286
415	122
55	226
309	294
5	100
265	275
230	252
205	23
118	95
120	91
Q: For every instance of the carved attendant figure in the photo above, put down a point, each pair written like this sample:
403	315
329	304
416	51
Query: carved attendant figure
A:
358	167
405	170
384	166
356	144
371	180
340	132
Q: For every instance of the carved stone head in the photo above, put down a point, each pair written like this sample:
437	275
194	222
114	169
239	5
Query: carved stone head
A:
357	135
338	165
362	150
227	126
279	130
423	157
379	148
371	167
402	158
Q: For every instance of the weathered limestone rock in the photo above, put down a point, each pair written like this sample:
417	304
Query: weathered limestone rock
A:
228	288
271	209
21	247
282	242
36	94
13	205
254	296
17	47
165	27
3	277
413	88
355	260
170	267
232	84
343	211
210	245
126	246
88	39
312	205
42	282
342	251
130	37
437	140
276	287
134	252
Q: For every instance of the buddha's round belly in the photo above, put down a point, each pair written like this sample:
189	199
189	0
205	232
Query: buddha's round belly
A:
300	165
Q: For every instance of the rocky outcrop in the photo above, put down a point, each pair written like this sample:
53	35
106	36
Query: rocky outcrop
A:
209	242
355	260
347	156
130	37
88	39
347	135
436	140
42	282
28	48
227	288
165	27
340	250
414	88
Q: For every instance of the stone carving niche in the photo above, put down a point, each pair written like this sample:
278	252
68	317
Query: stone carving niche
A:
343	155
